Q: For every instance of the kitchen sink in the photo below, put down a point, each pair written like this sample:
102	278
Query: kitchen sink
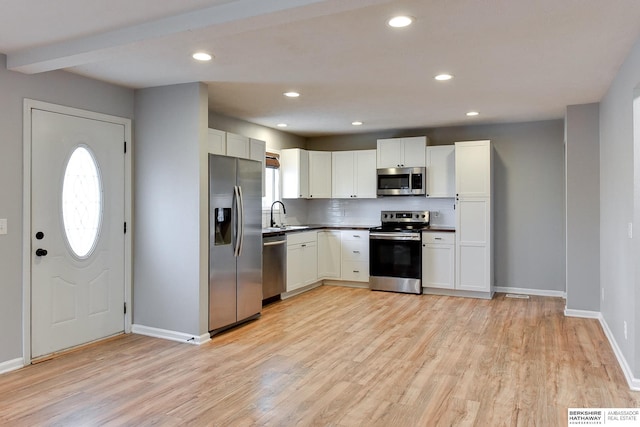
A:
285	228
295	227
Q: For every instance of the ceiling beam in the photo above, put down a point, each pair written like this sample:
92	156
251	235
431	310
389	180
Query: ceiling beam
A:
83	50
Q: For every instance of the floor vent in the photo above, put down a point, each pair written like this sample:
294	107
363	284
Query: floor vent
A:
520	296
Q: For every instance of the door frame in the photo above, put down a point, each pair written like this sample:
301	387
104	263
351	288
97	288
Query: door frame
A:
28	106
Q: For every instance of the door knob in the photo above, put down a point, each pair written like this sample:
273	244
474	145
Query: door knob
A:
41	252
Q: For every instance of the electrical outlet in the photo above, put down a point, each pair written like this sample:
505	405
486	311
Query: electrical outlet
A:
602	292
625	329
3	226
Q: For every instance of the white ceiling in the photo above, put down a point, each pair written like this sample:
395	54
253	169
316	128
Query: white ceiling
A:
513	60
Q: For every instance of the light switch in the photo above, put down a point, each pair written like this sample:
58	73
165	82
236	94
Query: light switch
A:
3	226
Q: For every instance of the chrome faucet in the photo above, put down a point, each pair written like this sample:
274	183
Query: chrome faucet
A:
284	210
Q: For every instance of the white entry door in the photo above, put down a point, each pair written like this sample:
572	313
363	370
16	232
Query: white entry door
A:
77	231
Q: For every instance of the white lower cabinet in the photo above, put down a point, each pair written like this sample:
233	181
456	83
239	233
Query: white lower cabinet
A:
438	260
473	256
355	255
329	254
302	260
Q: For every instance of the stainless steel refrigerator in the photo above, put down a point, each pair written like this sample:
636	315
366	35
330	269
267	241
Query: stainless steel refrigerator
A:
235	241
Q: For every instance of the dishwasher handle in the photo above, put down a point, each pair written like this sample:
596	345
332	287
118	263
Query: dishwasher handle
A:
278	242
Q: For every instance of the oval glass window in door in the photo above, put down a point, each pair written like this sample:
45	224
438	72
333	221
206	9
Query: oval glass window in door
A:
82	202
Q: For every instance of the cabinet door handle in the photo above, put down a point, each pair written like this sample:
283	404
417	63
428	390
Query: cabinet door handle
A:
356	252
437	238
356	236
303	246
356	271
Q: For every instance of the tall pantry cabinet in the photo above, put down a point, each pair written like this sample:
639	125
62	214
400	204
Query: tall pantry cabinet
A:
474	249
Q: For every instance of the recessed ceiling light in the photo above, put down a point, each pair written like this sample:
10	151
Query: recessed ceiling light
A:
291	94
202	56
357	123
472	113
282	125
443	77
400	21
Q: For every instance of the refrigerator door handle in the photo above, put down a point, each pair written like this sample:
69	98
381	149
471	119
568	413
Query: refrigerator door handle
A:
236	217
241	216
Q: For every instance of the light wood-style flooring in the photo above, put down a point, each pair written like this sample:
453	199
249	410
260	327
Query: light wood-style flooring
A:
341	357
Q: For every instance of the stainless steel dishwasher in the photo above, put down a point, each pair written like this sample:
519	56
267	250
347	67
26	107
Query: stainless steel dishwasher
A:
274	267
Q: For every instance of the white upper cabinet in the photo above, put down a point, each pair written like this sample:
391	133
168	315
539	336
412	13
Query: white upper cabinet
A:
441	171
232	145
257	151
319	174
294	172
402	152
473	168
238	146
217	142
365	167
354	174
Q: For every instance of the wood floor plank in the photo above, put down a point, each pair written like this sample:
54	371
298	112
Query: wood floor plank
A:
338	356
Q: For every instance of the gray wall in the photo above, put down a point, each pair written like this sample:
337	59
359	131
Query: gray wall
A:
620	205
54	87
582	180
170	216
528	194
275	139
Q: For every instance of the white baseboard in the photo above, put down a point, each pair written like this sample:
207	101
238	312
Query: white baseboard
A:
11	365
170	335
301	290
536	292
346	284
457	293
634	383
585	314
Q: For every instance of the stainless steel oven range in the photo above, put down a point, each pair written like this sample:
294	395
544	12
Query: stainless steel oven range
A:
395	251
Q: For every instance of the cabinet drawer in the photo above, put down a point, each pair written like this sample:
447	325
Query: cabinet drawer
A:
359	235
432	237
356	271
305	237
355	250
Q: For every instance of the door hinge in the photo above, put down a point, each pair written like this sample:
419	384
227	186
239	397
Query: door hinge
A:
125	147
125	227
125	308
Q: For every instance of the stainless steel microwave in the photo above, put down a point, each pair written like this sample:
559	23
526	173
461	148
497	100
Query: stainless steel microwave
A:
401	181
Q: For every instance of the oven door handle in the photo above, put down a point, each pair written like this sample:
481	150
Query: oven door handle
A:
394	236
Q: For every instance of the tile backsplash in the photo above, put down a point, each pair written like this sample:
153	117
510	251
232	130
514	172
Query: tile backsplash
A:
360	211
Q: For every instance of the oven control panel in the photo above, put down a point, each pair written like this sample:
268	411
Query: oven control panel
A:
412	217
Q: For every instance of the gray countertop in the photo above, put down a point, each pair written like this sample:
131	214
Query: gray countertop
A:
267	232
